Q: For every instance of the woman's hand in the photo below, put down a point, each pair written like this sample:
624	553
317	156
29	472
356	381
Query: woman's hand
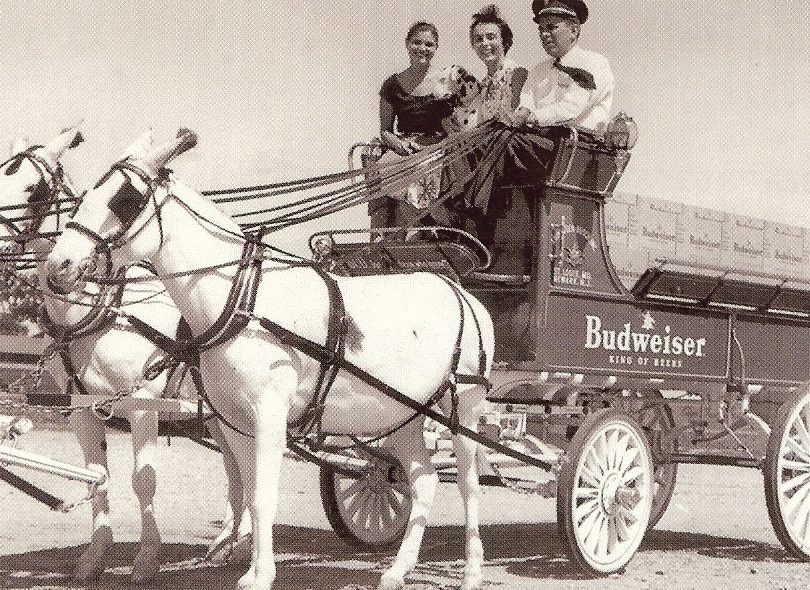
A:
520	117
408	146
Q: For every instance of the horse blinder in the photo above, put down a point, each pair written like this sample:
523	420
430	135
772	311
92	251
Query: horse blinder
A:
127	203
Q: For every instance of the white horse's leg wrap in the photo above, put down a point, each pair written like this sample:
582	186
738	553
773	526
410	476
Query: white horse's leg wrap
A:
144	484
409	446
470	490
90	433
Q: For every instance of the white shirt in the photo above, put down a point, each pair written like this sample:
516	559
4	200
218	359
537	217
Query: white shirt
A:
553	96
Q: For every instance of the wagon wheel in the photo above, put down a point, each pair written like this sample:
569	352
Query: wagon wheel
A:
605	492
787	475
370	511
658	423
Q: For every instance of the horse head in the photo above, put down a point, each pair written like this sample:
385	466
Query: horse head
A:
119	218
34	186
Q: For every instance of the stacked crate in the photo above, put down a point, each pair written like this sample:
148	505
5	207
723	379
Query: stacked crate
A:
641	231
619	212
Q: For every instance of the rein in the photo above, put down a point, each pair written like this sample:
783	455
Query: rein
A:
43	197
238	312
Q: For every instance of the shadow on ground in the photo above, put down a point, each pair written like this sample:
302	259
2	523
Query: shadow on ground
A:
314	558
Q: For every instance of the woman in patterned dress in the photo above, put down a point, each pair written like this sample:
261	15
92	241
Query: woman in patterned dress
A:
499	95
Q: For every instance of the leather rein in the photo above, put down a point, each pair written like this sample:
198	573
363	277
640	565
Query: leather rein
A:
100	316
238	312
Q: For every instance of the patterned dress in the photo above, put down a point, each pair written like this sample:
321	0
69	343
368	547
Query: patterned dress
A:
493	98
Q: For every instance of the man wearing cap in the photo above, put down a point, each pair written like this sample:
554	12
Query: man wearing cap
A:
574	85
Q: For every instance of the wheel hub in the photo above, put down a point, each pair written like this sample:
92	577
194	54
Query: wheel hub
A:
615	496
610	487
378	477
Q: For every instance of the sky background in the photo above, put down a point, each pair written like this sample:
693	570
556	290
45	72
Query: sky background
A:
280	90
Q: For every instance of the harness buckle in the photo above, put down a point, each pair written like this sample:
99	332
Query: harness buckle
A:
98	412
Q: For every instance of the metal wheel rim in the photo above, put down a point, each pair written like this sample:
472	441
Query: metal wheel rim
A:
376	506
615	465
793	475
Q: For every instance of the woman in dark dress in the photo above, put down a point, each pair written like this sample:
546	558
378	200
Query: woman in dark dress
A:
416	105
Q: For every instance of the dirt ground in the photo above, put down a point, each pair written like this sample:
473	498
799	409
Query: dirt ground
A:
716	533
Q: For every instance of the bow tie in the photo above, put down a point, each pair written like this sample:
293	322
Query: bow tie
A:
582	77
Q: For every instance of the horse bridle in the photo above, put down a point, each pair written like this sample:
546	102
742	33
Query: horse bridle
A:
51	184
127	217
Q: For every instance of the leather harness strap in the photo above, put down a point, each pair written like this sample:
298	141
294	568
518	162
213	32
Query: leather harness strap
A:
334	348
315	350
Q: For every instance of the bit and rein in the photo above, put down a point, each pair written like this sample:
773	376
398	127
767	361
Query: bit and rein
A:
238	313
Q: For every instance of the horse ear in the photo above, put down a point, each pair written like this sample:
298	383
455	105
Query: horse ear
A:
67	139
162	155
20	144
139	148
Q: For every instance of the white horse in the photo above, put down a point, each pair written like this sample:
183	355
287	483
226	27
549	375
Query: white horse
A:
109	358
402	330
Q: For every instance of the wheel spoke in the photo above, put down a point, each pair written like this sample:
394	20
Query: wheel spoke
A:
375	513
612	443
395	501
604	535
600	451
613	534
402	486
622	532
800	521
590	478
389	513
794	482
586	493
595	533
628	458
632	474
584	509
630	517
622	445
356	486
796	500
797	448
355	506
788	465
806	535
801	429
588	524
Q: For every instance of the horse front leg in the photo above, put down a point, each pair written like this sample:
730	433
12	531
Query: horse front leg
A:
144	425
233	543
270	405
466	449
408	444
91	435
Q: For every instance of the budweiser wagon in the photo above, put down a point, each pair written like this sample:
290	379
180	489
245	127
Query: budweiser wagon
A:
691	347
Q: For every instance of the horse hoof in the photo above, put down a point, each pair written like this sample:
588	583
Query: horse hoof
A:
391	583
146	566
89	572
92	562
246	581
